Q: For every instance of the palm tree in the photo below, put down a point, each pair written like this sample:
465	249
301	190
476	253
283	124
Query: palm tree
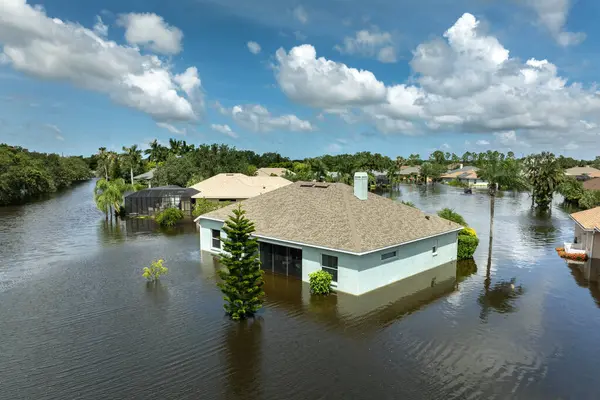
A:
133	156
545	175
392	174
499	172
157	152
109	195
176	146
103	160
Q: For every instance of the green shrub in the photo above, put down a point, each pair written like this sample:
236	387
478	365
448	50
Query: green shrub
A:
155	270
320	282
409	203
457	183
169	217
204	206
468	232
450	215
467	246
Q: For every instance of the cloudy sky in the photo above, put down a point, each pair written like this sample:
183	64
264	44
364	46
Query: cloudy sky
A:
302	77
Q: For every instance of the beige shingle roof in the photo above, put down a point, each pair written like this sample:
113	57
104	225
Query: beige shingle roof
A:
269	171
589	219
332	217
237	186
592	184
577	171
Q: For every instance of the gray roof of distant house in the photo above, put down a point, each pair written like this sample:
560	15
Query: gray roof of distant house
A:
328	215
164	191
145	176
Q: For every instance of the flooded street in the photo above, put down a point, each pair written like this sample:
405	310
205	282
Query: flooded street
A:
78	321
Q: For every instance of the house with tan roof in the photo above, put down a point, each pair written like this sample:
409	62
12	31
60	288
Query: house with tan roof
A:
582	173
273	172
592	184
587	233
364	240
235	187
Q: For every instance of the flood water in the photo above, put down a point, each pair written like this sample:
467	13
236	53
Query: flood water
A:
77	320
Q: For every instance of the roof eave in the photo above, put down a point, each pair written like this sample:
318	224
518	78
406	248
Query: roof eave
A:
338	250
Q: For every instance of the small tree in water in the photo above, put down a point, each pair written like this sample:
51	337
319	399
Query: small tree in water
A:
243	279
155	270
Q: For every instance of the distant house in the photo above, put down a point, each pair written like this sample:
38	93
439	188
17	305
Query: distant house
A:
455	173
154	200
409	171
363	240
587	233
381	177
146	177
273	172
234	187
592	184
583	173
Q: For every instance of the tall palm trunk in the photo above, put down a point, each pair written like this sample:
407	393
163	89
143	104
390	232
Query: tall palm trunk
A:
106	172
492	206
131	171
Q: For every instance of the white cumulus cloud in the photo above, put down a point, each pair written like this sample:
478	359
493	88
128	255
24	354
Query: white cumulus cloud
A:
258	119
552	14
50	49
55	130
370	44
300	14
482	142
99	27
464	81
253	47
172	128
151	30
225	130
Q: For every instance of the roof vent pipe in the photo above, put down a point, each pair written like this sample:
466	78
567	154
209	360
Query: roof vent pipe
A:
361	185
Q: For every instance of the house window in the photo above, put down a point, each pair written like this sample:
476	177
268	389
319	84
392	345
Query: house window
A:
435	248
216	239
330	264
387	256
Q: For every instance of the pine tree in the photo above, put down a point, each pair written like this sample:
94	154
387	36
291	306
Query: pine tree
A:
242	279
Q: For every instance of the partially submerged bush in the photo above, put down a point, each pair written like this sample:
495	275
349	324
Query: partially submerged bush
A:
450	215
467	246
320	282
409	203
155	270
169	217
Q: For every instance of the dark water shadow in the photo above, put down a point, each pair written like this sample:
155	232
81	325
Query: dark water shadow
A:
464	269
587	275
243	343
157	292
499	297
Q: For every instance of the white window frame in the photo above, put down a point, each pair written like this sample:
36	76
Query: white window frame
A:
435	248
212	239
337	269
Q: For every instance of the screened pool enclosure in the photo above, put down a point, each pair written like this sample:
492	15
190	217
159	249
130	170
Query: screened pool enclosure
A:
154	200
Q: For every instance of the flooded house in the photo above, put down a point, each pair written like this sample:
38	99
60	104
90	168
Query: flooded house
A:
236	187
587	234
363	240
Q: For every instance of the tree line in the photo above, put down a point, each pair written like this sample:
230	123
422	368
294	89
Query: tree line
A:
26	175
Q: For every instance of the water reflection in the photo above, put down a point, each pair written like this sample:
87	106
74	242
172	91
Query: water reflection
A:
587	275
499	297
464	269
243	343
118	230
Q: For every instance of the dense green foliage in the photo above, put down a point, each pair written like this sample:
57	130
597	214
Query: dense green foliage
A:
169	217
25	175
467	246
544	174
589	199
242	277
320	282
204	206
457	183
450	215
156	269
571	189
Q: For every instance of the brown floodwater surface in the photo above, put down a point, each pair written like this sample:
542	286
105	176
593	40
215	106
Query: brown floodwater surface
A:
77	320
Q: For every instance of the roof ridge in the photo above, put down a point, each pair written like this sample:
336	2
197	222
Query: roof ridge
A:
350	216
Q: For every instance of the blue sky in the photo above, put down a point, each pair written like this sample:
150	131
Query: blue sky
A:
319	77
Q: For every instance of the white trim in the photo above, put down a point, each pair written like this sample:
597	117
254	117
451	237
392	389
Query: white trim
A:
339	250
